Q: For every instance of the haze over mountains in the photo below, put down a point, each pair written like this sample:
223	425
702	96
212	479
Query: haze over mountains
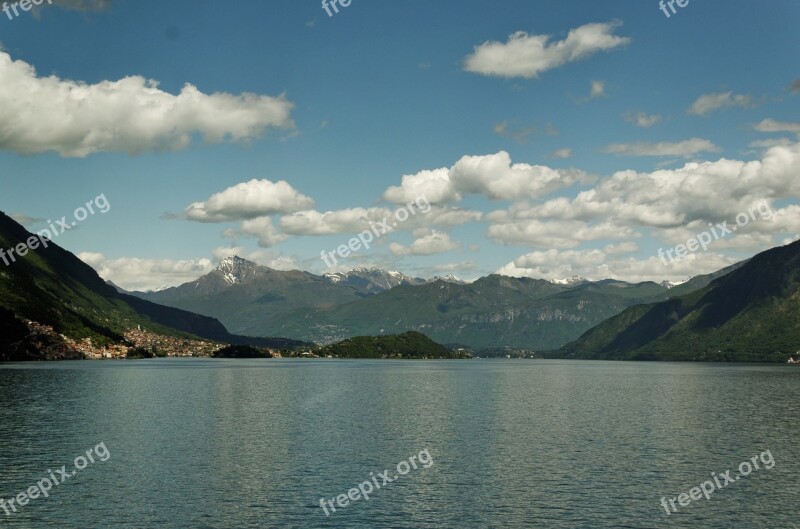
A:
494	311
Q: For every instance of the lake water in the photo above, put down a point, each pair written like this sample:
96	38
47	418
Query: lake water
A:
202	443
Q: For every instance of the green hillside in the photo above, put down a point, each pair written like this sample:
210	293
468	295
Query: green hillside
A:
494	311
750	314
409	345
53	287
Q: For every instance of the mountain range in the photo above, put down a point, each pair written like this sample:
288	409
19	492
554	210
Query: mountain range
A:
491	312
749	311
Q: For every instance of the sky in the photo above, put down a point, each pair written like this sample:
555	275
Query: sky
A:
532	138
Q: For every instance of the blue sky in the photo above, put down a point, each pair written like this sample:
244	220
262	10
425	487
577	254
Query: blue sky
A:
577	120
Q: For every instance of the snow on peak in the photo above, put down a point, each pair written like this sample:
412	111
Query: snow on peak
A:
233	269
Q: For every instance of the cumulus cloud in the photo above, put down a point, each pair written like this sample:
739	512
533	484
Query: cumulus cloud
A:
249	200
433	243
527	56
671	205
435	185
708	103
261	229
493	176
355	220
350	220
686	148
596	264
146	274
75	119
555	233
642	120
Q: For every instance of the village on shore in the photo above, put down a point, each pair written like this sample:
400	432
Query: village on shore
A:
142	343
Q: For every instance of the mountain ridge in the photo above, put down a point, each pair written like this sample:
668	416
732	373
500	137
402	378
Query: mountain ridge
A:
492	311
751	313
53	287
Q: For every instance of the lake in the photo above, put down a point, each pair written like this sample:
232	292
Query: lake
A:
206	443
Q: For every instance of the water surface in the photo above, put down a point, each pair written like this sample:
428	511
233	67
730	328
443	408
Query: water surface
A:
202	443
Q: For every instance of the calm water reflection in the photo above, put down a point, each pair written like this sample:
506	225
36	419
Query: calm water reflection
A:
256	443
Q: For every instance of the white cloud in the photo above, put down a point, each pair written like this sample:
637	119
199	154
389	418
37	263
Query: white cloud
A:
640	119
249	200
527	56
493	176
621	248
598	89
596	264
355	220
708	103
445	217
146	274
686	148
771	125
25	220
434	185
221	252
673	203
272	259
774	142
75	119
431	244
260	228
521	135
464	266
563	153
555	233
350	220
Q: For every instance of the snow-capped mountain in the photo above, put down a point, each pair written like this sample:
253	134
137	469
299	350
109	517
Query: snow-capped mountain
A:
449	278
671	284
372	280
235	270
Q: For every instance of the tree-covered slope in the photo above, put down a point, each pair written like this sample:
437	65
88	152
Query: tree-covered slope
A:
749	314
412	345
